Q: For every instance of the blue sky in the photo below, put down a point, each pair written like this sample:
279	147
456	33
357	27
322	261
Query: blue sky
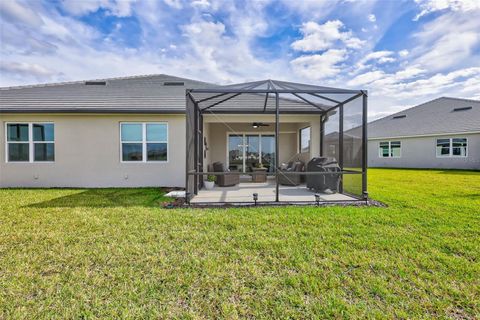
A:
403	52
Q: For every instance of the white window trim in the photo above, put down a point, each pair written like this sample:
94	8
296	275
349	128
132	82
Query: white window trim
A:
450	153
380	154
30	142
144	142
300	139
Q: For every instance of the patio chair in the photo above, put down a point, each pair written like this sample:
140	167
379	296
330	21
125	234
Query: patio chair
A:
286	177
226	180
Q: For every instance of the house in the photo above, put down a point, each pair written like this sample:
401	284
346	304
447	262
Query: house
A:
442	133
161	130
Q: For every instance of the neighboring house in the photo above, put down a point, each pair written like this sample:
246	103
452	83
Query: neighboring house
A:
442	133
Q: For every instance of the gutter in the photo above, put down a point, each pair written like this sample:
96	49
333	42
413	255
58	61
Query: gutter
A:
98	111
426	135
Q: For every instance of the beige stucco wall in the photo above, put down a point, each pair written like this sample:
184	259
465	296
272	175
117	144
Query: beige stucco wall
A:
87	149
87	154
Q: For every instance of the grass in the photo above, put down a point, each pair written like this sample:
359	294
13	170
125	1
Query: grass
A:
89	254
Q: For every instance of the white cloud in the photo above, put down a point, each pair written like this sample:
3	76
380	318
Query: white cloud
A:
220	44
429	6
120	8
413	86
204	4
317	37
414	82
374	115
408	73
177	4
366	78
372	18
471	88
448	41
379	56
311	10
73	50
19	14
439	83
25	68
319	66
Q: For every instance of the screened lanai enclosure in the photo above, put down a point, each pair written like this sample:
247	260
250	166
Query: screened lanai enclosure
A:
276	142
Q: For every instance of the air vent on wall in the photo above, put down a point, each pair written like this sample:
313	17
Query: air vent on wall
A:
95	83
400	116
462	109
173	83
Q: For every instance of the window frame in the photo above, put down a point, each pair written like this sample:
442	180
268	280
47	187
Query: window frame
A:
144	141
31	143
450	148
390	154
300	139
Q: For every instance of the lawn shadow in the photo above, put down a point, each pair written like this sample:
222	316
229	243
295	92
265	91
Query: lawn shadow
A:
459	172
107	198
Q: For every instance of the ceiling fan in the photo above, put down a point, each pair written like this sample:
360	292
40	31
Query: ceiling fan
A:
259	124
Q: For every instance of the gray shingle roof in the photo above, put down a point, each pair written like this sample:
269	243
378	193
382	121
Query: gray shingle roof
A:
128	94
433	117
138	94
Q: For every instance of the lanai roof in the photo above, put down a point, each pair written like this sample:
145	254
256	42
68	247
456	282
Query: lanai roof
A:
259	96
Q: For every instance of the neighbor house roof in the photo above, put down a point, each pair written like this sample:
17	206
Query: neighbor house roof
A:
440	116
139	94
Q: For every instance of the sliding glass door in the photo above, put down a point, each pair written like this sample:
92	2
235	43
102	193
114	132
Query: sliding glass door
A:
268	152
235	153
252	152
248	151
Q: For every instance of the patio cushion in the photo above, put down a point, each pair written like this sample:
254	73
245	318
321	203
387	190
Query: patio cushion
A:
291	179
297	166
218	167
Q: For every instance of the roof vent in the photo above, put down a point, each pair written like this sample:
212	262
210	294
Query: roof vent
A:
462	109
173	83
400	116
95	83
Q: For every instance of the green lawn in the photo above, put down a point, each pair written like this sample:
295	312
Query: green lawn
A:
116	254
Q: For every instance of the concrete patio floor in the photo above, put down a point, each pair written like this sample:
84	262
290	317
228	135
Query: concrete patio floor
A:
243	193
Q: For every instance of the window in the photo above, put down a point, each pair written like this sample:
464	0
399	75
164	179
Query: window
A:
389	149
144	142
452	147
305	139
30	142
